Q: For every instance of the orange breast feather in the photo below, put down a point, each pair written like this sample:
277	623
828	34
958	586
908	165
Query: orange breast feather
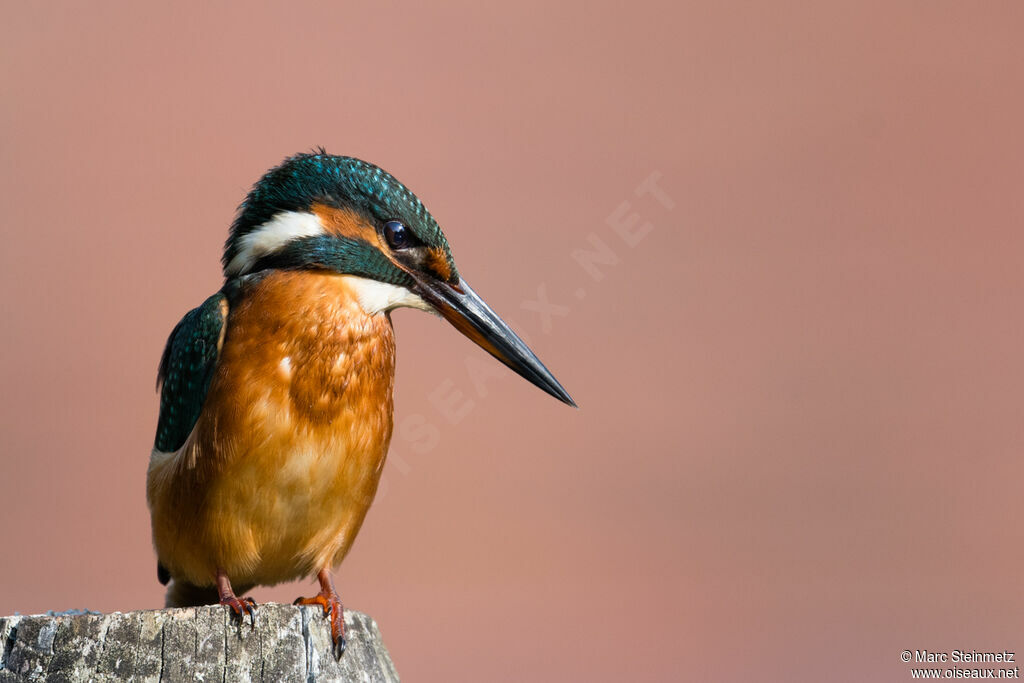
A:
277	476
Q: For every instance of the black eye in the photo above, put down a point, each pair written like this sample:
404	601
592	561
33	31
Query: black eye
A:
397	235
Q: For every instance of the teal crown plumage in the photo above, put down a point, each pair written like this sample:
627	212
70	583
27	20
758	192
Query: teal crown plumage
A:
343	182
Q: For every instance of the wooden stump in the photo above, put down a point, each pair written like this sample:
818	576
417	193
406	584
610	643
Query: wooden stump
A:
194	643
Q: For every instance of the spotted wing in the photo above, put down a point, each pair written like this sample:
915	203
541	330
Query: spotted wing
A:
186	368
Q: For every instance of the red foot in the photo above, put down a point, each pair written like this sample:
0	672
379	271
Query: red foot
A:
241	607
328	599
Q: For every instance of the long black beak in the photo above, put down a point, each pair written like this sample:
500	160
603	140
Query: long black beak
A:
464	309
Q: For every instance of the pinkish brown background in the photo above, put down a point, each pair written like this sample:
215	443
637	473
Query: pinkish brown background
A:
799	447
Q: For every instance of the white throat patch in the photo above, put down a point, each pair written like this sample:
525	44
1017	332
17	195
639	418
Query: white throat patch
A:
271	236
378	297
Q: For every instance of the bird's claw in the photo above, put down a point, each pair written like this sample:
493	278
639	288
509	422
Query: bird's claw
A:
339	647
241	607
333	609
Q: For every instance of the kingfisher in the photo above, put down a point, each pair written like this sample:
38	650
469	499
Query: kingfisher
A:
276	405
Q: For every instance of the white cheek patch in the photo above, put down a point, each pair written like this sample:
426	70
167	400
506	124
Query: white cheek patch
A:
377	297
271	236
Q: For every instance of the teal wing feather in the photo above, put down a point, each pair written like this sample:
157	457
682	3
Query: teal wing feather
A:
186	368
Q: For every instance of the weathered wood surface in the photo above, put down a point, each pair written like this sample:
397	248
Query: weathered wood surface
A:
191	644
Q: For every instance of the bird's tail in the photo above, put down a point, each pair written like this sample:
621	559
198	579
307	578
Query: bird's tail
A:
183	594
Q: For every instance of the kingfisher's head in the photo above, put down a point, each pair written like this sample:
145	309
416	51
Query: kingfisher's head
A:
342	215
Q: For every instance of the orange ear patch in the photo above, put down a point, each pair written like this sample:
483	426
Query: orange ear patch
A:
347	223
